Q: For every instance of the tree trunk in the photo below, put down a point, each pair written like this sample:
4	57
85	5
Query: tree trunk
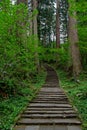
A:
36	34
21	24
74	48
31	20
57	25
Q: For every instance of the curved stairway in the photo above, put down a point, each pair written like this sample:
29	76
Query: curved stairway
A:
50	110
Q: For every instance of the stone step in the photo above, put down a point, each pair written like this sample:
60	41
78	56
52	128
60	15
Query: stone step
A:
56	96
50	86
54	92
46	116
51	94
48	94
49	105
52	98
50	91
50	109
48	127
49	112
48	101
30	121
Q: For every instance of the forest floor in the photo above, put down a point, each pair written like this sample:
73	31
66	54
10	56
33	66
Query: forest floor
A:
77	93
50	110
11	107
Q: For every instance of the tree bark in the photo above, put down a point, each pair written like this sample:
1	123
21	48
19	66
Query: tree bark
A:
57	25
35	34
21	23
74	48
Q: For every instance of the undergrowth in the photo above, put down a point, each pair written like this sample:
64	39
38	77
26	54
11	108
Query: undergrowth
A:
77	93
11	107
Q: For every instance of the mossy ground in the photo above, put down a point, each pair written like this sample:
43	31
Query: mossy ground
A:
77	93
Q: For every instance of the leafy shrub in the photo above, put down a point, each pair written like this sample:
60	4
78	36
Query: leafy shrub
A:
17	51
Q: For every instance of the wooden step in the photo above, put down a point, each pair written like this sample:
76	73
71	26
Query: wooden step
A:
48	101
50	109
46	116
50	96
30	121
49	105
49	112
48	127
49	92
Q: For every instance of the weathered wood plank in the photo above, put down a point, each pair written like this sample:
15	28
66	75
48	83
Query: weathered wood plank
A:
74	127
30	121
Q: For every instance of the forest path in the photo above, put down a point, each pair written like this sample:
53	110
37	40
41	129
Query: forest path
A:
50	110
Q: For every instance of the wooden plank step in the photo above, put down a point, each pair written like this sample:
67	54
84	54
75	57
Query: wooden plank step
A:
49	112
23	127
51	96
46	94
54	98
45	116
47	97
50	109
48	127
54	94
46	101
30	121
51	92
49	105
59	127
50	89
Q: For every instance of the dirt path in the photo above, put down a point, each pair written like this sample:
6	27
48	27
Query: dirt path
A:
50	110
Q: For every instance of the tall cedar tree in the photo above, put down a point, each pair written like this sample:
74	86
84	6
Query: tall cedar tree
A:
57	25
33	26
73	39
35	4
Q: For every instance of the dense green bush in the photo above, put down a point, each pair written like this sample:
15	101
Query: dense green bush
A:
17	50
83	51
58	56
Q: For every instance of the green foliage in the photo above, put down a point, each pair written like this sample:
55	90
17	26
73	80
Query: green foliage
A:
83	51
16	48
18	73
76	93
17	103
81	8
58	56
